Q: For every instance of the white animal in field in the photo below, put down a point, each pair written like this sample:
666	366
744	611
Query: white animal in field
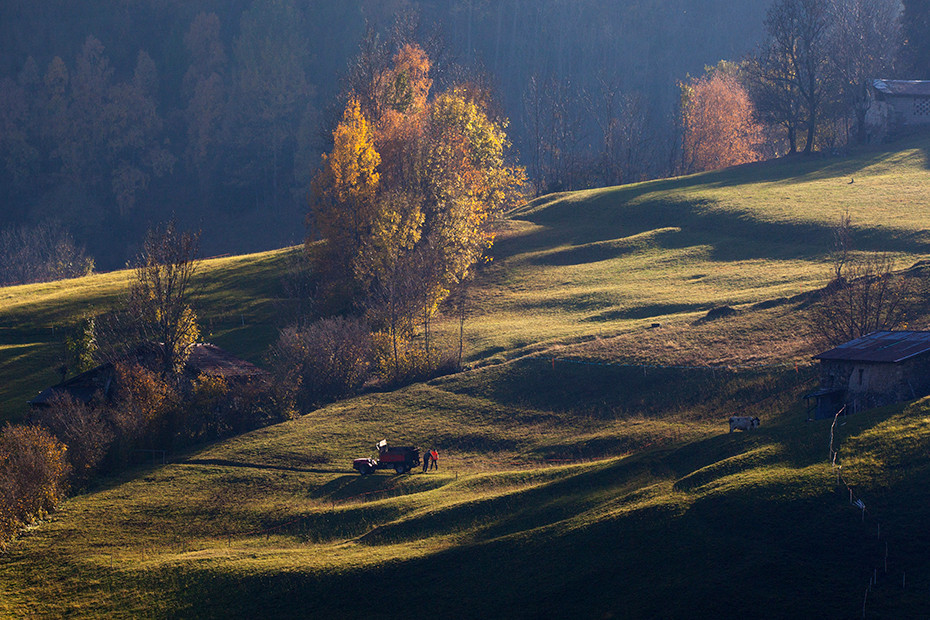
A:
743	423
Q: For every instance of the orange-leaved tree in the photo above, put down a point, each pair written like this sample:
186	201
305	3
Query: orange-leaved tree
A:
718	123
407	199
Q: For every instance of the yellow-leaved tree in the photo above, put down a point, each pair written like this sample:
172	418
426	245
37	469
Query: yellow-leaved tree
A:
345	191
408	205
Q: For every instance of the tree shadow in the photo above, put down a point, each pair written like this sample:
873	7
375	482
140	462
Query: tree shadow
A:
645	312
599	231
262	466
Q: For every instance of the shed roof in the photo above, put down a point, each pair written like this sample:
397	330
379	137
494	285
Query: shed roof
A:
905	88
211	360
207	359
883	346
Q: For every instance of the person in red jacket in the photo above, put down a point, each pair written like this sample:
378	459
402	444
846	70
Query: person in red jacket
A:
434	459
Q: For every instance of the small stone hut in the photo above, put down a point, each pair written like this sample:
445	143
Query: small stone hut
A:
878	369
895	106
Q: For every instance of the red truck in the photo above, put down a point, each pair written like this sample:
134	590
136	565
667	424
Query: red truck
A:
399	458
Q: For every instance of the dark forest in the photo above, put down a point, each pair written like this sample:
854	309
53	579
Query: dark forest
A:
119	115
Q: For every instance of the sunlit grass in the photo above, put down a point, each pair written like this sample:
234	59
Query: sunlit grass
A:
585	463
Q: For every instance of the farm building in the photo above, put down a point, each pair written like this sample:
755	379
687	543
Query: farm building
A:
879	369
204	359
895	106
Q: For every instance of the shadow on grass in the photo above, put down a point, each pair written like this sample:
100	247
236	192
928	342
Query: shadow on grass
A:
613	391
604	250
597	232
645	312
229	463
596	223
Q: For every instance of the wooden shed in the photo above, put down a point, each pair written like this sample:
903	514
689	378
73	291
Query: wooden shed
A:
203	359
881	368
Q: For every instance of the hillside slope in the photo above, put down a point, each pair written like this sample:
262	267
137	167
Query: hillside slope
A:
585	466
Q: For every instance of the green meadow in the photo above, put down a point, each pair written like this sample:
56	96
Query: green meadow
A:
585	464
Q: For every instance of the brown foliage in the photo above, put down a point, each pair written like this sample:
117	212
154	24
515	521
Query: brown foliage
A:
323	361
33	473
84	429
144	411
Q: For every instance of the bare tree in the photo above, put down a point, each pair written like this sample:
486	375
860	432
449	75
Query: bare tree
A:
535	123
872	298
865	294
161	295
40	253
864	42
789	73
842	246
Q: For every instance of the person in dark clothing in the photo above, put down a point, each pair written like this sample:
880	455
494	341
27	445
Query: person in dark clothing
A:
425	461
434	459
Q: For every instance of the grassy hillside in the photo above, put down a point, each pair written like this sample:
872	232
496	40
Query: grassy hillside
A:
239	302
585	464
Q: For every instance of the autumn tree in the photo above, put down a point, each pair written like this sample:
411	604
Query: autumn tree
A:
161	295
345	190
718	121
406	200
33	476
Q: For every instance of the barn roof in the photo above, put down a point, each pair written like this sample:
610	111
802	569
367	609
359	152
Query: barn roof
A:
211	360
206	359
906	88
81	387
883	346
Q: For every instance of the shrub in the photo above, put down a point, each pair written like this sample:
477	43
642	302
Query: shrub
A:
33	473
412	363
145	411
256	404
84	429
324	361
40	253
206	408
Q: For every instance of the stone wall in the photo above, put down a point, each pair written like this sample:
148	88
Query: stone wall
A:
871	384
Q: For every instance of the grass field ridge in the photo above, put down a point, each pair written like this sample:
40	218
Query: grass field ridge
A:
603	489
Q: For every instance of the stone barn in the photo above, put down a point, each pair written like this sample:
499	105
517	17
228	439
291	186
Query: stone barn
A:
896	106
879	369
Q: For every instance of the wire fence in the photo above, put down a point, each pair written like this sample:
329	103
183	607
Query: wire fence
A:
858	501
